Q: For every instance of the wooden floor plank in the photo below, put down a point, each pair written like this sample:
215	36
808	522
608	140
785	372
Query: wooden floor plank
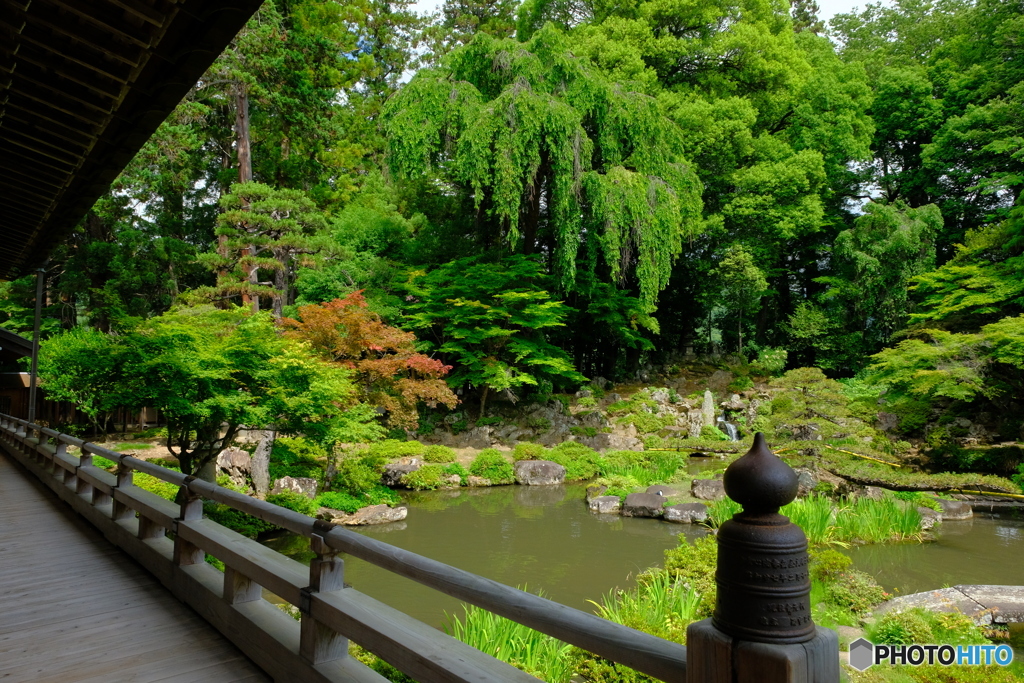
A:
78	609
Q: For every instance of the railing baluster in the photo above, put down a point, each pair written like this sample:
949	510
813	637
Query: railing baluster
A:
186	553
318	642
239	588
119	511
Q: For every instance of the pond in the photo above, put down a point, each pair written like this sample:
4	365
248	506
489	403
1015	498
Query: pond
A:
542	538
986	549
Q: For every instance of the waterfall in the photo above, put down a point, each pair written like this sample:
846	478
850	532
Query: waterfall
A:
729	428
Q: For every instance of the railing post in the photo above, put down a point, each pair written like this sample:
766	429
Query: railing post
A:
761	629
318	642
83	487
186	553
118	510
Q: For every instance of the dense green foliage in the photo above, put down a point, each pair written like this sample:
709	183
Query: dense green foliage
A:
563	190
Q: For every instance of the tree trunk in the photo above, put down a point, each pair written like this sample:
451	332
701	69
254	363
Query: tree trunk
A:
242	144
260	466
483	401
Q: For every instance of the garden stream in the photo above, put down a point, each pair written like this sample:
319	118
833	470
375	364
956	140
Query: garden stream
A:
543	538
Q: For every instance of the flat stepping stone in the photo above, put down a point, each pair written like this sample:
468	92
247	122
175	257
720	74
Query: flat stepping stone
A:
984	604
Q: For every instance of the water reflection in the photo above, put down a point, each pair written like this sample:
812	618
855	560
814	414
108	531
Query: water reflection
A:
540	537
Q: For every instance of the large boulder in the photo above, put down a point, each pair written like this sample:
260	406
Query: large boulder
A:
307	486
371	514
686	513
605	505
393	472
707	489
539	473
237	464
478	438
643	505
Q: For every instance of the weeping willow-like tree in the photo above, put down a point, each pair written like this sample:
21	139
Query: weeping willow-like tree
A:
558	159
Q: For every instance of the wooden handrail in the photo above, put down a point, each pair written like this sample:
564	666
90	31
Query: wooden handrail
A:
394	637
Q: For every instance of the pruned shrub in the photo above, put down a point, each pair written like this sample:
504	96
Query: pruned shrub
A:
492	465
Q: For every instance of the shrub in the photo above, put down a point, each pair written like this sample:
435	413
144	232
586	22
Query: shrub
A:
294	501
741	383
357	475
426	478
243	523
297	457
456	469
580	462
487	421
587	402
339	500
528	451
439	454
827	565
491	464
857	592
541	424
902	628
392	449
583	431
714	433
647	423
770	361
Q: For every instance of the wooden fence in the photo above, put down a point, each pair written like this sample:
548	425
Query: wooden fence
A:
172	541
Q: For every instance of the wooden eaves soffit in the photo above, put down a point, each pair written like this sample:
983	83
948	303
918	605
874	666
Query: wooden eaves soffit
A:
83	85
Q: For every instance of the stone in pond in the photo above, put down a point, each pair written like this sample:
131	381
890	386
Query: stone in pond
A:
707	489
643	505
929	518
606	505
539	473
686	513
372	514
955	509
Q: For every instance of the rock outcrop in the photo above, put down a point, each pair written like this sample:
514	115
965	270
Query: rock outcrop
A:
686	513
307	486
539	473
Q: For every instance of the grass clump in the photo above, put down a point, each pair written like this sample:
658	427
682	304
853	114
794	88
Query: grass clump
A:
439	454
536	653
491	464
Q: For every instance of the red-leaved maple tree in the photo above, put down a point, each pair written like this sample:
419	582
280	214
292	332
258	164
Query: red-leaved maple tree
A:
389	371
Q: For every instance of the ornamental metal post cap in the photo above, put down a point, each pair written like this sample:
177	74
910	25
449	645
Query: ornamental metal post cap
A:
763	583
760	481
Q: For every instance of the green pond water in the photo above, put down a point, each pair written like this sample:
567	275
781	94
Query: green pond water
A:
987	549
545	539
540	537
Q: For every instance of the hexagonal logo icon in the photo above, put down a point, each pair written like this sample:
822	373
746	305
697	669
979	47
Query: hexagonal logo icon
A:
862	654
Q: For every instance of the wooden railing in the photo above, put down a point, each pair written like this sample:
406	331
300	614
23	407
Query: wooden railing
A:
172	540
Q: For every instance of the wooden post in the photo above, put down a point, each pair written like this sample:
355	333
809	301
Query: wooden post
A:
119	511
317	642
761	629
186	553
239	588
83	487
